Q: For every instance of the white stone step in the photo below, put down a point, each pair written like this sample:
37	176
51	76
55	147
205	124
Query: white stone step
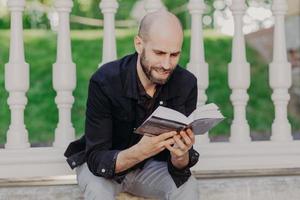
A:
251	185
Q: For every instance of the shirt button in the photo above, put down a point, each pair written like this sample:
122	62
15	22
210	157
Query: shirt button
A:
102	170
161	103
73	163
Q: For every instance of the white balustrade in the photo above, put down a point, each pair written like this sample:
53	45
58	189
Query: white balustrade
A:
18	160
16	79
64	76
153	5
239	77
197	64
280	75
109	52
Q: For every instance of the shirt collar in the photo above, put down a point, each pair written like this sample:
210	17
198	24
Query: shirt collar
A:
142	91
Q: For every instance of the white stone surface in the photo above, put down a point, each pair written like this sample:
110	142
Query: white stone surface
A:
64	76
197	64
280	75
239	77
62	192
153	5
109	9
16	79
254	188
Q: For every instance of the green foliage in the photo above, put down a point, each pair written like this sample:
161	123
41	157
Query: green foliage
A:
4	22
41	111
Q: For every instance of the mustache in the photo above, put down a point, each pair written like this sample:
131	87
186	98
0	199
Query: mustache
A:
161	69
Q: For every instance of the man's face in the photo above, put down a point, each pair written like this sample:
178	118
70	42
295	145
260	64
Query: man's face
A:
159	59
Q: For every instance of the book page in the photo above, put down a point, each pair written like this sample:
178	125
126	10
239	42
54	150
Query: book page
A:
170	114
206	111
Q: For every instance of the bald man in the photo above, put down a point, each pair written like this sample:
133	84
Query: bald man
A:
110	158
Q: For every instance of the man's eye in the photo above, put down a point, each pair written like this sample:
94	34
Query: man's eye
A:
159	53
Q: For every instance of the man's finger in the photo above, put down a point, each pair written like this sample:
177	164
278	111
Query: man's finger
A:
173	150
180	144
191	135
186	138
170	141
166	135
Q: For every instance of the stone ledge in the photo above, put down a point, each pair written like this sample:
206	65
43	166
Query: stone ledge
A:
245	173
238	188
271	184
53	192
210	174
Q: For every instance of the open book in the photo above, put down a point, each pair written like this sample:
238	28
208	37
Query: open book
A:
163	119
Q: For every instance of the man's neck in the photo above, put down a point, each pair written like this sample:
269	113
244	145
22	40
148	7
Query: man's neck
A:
148	85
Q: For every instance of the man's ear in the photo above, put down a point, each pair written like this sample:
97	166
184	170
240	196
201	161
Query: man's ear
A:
138	44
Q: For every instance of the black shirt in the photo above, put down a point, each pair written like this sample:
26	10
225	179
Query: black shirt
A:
117	103
146	103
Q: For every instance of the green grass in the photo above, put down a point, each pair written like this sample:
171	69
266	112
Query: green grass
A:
40	52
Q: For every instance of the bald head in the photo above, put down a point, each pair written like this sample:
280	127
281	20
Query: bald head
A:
159	21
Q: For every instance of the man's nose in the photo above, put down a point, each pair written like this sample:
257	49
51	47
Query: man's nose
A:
166	63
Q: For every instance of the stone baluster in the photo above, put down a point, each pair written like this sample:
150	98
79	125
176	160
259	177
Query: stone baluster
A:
239	77
197	64
153	5
64	76
16	79
280	75
109	52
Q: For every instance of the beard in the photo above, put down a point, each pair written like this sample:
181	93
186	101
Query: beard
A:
148	71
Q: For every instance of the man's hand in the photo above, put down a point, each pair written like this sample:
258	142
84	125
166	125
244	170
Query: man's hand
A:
179	152
149	146
145	148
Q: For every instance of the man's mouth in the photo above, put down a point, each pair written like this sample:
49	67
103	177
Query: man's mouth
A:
162	71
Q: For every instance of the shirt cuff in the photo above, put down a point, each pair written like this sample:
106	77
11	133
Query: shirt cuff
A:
180	176
103	164
107	168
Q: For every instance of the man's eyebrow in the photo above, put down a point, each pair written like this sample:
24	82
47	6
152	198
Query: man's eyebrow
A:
161	51
177	52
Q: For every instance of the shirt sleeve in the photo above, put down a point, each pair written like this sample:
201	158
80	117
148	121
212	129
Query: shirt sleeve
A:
180	176
101	160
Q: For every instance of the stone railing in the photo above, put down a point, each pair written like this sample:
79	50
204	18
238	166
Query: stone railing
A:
19	160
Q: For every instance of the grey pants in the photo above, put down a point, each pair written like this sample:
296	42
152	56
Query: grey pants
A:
153	181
